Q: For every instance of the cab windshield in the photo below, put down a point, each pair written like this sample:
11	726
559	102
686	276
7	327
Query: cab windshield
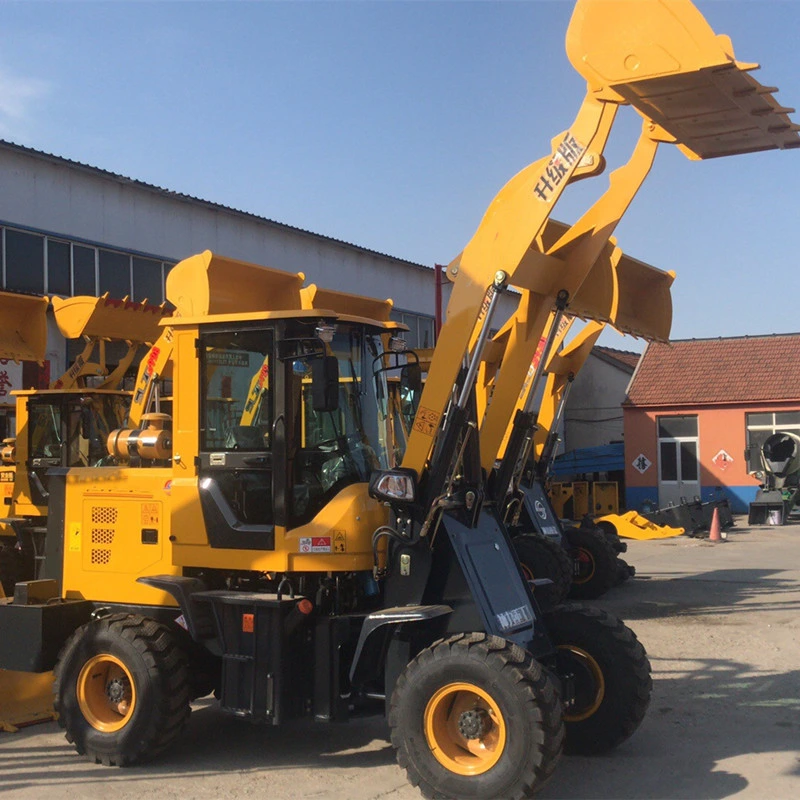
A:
334	449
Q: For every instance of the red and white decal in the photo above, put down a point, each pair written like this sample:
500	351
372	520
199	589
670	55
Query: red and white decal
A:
315	544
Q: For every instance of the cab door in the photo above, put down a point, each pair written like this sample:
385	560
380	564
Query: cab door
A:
236	473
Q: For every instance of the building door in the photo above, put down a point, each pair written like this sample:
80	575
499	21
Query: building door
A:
678	467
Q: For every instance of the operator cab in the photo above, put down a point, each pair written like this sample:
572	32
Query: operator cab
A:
288	418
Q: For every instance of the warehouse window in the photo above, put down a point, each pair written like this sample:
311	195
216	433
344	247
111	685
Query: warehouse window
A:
115	273
36	262
148	281
24	261
84	276
420	328
59	280
761	426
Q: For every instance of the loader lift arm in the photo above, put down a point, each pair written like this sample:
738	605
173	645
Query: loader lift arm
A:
679	52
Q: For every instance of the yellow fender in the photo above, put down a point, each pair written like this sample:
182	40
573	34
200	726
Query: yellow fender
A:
631	525
25	698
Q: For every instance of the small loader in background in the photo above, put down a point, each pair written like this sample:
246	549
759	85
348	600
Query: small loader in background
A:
67	424
280	564
23	337
780	470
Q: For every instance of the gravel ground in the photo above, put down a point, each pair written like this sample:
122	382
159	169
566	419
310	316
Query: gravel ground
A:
719	621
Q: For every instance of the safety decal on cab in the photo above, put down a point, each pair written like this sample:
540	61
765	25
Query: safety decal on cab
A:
561	163
426	421
315	544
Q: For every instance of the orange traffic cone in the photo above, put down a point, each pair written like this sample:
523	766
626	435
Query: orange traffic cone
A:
715	533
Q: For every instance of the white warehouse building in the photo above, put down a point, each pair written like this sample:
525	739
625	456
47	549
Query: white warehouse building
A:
70	229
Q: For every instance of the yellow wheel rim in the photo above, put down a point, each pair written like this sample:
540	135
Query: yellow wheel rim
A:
465	729
584	559
590	678
106	693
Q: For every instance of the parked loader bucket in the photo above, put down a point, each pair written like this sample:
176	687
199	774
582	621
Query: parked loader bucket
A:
344	303
631	525
210	284
663	58
105	318
23	332
25	698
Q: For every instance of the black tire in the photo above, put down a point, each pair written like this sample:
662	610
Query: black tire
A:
122	689
610	530
526	719
543	558
15	566
594	562
610	672
624	571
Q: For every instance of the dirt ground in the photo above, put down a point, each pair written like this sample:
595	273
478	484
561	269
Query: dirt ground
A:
721	626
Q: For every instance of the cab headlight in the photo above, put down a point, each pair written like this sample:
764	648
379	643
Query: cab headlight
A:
394	486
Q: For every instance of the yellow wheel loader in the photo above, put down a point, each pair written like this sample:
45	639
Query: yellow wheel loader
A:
67	424
23	337
281	564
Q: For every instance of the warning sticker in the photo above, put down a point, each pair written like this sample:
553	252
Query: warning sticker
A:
315	544
150	514
426	421
74	536
722	460
339	542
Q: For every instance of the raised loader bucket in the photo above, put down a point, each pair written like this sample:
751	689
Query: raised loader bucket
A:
645	300
23	330
25	698
633	296
663	58
210	284
105	318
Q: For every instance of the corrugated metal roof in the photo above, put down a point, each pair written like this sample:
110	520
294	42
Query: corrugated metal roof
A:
744	369
199	201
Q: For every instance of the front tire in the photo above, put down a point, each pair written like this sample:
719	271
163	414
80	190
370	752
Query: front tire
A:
609	669
122	689
475	716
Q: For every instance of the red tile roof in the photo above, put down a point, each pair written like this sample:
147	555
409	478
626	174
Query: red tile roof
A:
746	369
627	357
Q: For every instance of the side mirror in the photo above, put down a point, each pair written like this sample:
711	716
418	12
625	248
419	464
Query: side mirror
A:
411	379
325	383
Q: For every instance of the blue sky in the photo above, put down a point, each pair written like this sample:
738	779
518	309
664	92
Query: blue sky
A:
393	124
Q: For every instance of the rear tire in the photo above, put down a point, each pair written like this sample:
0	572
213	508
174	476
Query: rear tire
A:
545	558
475	716
594	562
610	672
122	689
